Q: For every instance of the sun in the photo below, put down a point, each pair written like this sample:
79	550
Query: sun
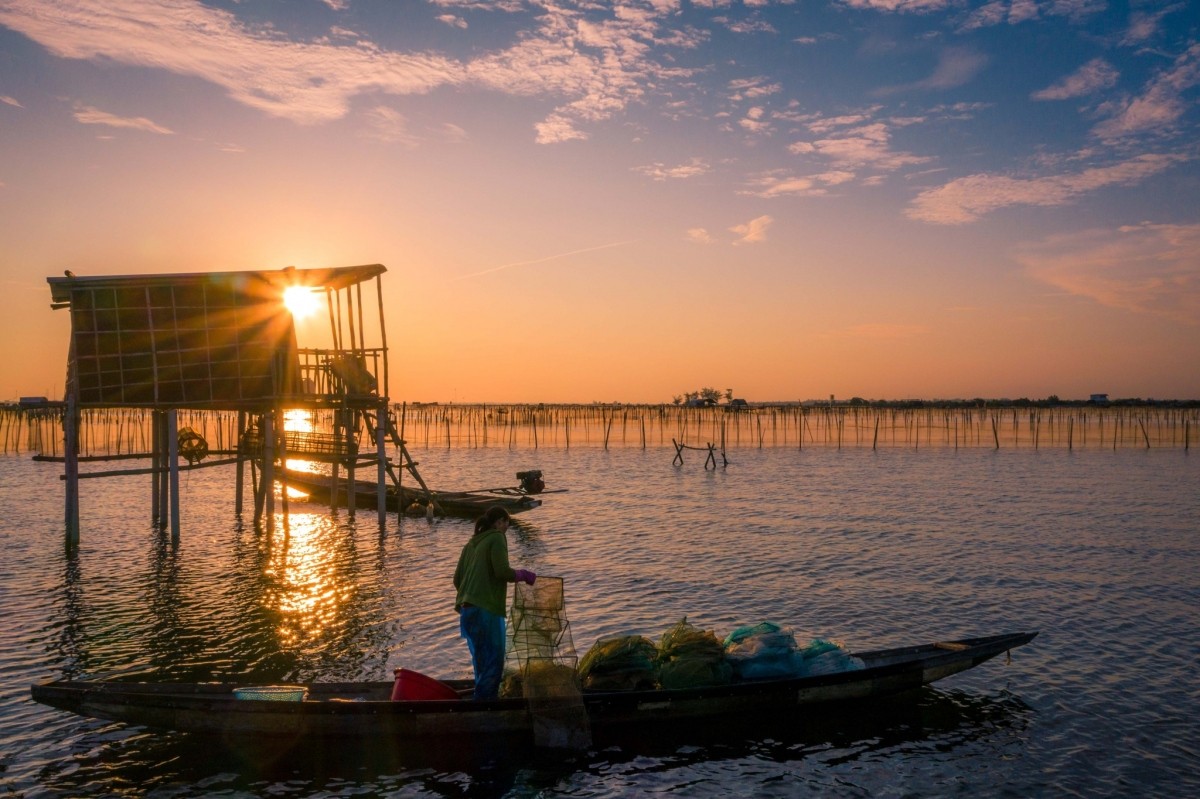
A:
301	301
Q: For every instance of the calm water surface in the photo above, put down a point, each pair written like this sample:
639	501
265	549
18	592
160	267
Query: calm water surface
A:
1099	551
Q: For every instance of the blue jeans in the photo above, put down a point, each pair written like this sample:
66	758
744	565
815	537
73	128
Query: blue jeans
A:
484	632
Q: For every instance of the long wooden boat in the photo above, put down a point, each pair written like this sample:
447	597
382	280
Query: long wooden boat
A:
366	709
411	499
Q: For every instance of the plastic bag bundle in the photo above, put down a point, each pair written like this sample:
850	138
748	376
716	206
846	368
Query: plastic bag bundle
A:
691	658
828	657
763	651
624	663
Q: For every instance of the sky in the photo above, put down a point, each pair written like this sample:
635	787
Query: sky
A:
627	201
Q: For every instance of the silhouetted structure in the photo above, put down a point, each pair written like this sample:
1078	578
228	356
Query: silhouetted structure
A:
226	341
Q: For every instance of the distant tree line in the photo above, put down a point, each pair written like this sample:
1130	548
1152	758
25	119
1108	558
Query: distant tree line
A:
1052	401
712	396
706	395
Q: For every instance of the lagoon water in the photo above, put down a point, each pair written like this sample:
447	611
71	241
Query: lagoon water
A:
1098	550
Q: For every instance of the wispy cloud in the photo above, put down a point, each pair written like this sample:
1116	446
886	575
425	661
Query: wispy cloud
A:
661	172
903	6
1160	105
89	115
779	183
857	145
593	67
699	235
9	101
1093	76
388	125
753	232
966	199
956	66
1147	268
1014	12
1145	25
547	259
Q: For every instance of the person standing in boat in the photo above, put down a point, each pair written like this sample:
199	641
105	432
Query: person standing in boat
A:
481	581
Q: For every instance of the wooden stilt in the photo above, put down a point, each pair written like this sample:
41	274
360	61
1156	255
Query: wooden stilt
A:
268	469
381	459
71	462
173	469
156	463
241	463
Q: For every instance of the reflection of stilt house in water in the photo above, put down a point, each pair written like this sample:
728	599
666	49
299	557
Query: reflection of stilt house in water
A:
225	341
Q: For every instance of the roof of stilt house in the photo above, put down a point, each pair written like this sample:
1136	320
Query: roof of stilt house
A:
202	340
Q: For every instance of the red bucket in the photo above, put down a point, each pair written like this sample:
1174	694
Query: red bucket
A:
413	685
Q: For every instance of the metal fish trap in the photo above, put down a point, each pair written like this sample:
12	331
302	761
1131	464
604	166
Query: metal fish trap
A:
540	641
538	626
546	593
541	644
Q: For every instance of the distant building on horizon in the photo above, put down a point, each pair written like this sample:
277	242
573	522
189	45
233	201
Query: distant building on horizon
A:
1098	398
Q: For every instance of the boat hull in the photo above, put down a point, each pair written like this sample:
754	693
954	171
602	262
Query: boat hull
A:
366	710
398	499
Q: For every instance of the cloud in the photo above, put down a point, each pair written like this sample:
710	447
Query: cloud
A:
304	82
753	232
388	125
1014	12
699	235
900	6
9	101
661	172
557	128
1144	26
592	68
1158	107
967	199
1093	76
864	145
94	116
754	121
752	88
1147	268
453	20
956	66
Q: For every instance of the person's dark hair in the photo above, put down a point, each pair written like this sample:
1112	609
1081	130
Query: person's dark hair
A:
489	518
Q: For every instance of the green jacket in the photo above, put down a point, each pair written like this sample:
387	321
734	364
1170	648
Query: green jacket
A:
483	573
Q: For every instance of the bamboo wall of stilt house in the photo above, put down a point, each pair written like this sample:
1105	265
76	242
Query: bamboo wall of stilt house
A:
161	365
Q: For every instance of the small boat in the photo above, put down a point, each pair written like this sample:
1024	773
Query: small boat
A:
412	500
366	710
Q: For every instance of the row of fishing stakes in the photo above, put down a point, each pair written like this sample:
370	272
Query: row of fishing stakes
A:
127	432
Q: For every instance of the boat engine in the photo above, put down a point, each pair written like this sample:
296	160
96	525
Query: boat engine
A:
531	481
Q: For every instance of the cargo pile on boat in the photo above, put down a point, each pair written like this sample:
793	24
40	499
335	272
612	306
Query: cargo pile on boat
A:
688	657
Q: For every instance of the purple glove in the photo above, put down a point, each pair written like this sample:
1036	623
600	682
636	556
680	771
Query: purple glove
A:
523	576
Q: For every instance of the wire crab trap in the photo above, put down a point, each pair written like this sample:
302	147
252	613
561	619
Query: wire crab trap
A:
543	654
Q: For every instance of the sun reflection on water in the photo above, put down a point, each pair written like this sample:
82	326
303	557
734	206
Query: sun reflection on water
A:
307	588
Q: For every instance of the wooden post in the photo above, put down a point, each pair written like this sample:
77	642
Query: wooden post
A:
173	473
71	463
268	468
157	461
381	460
241	463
